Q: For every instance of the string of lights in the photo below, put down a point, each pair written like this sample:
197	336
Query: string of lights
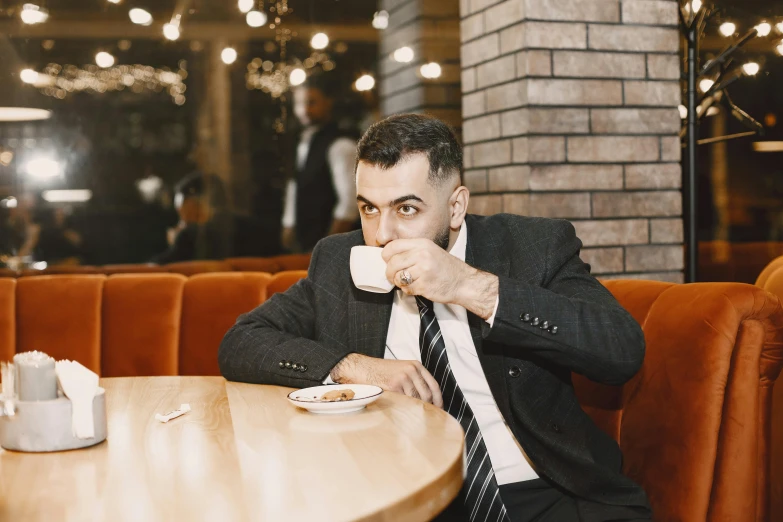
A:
273	77
59	81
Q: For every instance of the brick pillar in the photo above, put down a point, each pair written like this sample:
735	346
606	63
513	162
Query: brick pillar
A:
570	111
431	29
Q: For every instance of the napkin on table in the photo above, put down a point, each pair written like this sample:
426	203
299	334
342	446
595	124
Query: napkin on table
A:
80	385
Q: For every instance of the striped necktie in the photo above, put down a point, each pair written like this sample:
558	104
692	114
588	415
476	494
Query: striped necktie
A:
480	490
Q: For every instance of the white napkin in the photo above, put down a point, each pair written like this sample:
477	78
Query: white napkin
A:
80	385
8	395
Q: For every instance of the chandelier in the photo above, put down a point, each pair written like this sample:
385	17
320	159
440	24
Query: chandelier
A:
277	77
59	81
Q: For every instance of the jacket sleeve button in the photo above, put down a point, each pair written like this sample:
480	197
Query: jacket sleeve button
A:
536	321
553	330
288	365
525	318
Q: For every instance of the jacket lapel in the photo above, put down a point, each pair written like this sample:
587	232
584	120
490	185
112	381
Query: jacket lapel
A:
484	251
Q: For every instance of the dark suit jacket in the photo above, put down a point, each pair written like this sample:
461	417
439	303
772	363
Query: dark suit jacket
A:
325	317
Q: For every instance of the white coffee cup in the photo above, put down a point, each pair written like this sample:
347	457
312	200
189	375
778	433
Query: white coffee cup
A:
368	270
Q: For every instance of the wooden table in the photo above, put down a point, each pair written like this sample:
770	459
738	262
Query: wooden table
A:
242	453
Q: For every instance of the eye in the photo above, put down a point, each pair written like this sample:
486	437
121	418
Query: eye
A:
408	210
369	210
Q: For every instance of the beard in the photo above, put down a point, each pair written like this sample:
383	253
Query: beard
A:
442	238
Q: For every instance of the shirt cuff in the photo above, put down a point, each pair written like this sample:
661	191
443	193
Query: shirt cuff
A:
329	380
491	319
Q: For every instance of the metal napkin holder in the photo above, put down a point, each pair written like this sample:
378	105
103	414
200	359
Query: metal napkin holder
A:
46	425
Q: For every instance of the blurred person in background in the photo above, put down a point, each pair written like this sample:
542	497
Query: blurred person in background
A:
19	233
321	197
206	228
58	243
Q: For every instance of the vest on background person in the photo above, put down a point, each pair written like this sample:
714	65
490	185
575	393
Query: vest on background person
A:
315	193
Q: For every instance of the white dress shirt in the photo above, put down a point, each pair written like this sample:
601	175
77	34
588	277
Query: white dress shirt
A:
342	160
402	342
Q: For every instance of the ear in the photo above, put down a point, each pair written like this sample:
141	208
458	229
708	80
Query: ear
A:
458	203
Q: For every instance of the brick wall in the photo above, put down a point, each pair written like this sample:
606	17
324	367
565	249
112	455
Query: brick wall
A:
569	111
431	29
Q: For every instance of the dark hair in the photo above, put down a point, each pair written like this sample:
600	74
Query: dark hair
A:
390	141
199	185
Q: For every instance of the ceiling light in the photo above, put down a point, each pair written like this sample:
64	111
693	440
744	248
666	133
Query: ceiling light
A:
712	111
256	18
140	16
380	20
23	114
115	1
403	55
171	31
9	202
43	168
431	70
297	77
706	84
319	41
727	29
683	111
779	27
32	14
751	68
779	48
365	83
696	5
104	59
768	146
67	196
245	5
763	29
229	55
29	76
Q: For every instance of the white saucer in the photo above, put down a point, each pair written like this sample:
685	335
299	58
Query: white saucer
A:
307	398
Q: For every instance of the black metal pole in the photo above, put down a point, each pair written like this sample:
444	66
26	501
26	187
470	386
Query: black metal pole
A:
690	191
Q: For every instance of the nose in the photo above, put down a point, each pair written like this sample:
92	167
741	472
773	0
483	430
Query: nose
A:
386	231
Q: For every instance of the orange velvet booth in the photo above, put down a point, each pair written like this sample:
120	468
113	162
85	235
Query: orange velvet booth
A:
281	281
293	262
771	280
695	424
211	305
271	265
198	267
254	264
129	324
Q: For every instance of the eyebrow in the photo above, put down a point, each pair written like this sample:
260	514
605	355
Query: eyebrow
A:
394	203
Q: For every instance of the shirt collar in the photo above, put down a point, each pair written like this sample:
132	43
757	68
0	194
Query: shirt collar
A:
461	244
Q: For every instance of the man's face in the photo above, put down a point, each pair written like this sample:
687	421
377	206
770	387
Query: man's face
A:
312	107
400	203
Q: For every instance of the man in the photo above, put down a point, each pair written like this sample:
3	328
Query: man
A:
206	229
515	312
320	200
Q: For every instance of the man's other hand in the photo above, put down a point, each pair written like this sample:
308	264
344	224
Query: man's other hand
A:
408	377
